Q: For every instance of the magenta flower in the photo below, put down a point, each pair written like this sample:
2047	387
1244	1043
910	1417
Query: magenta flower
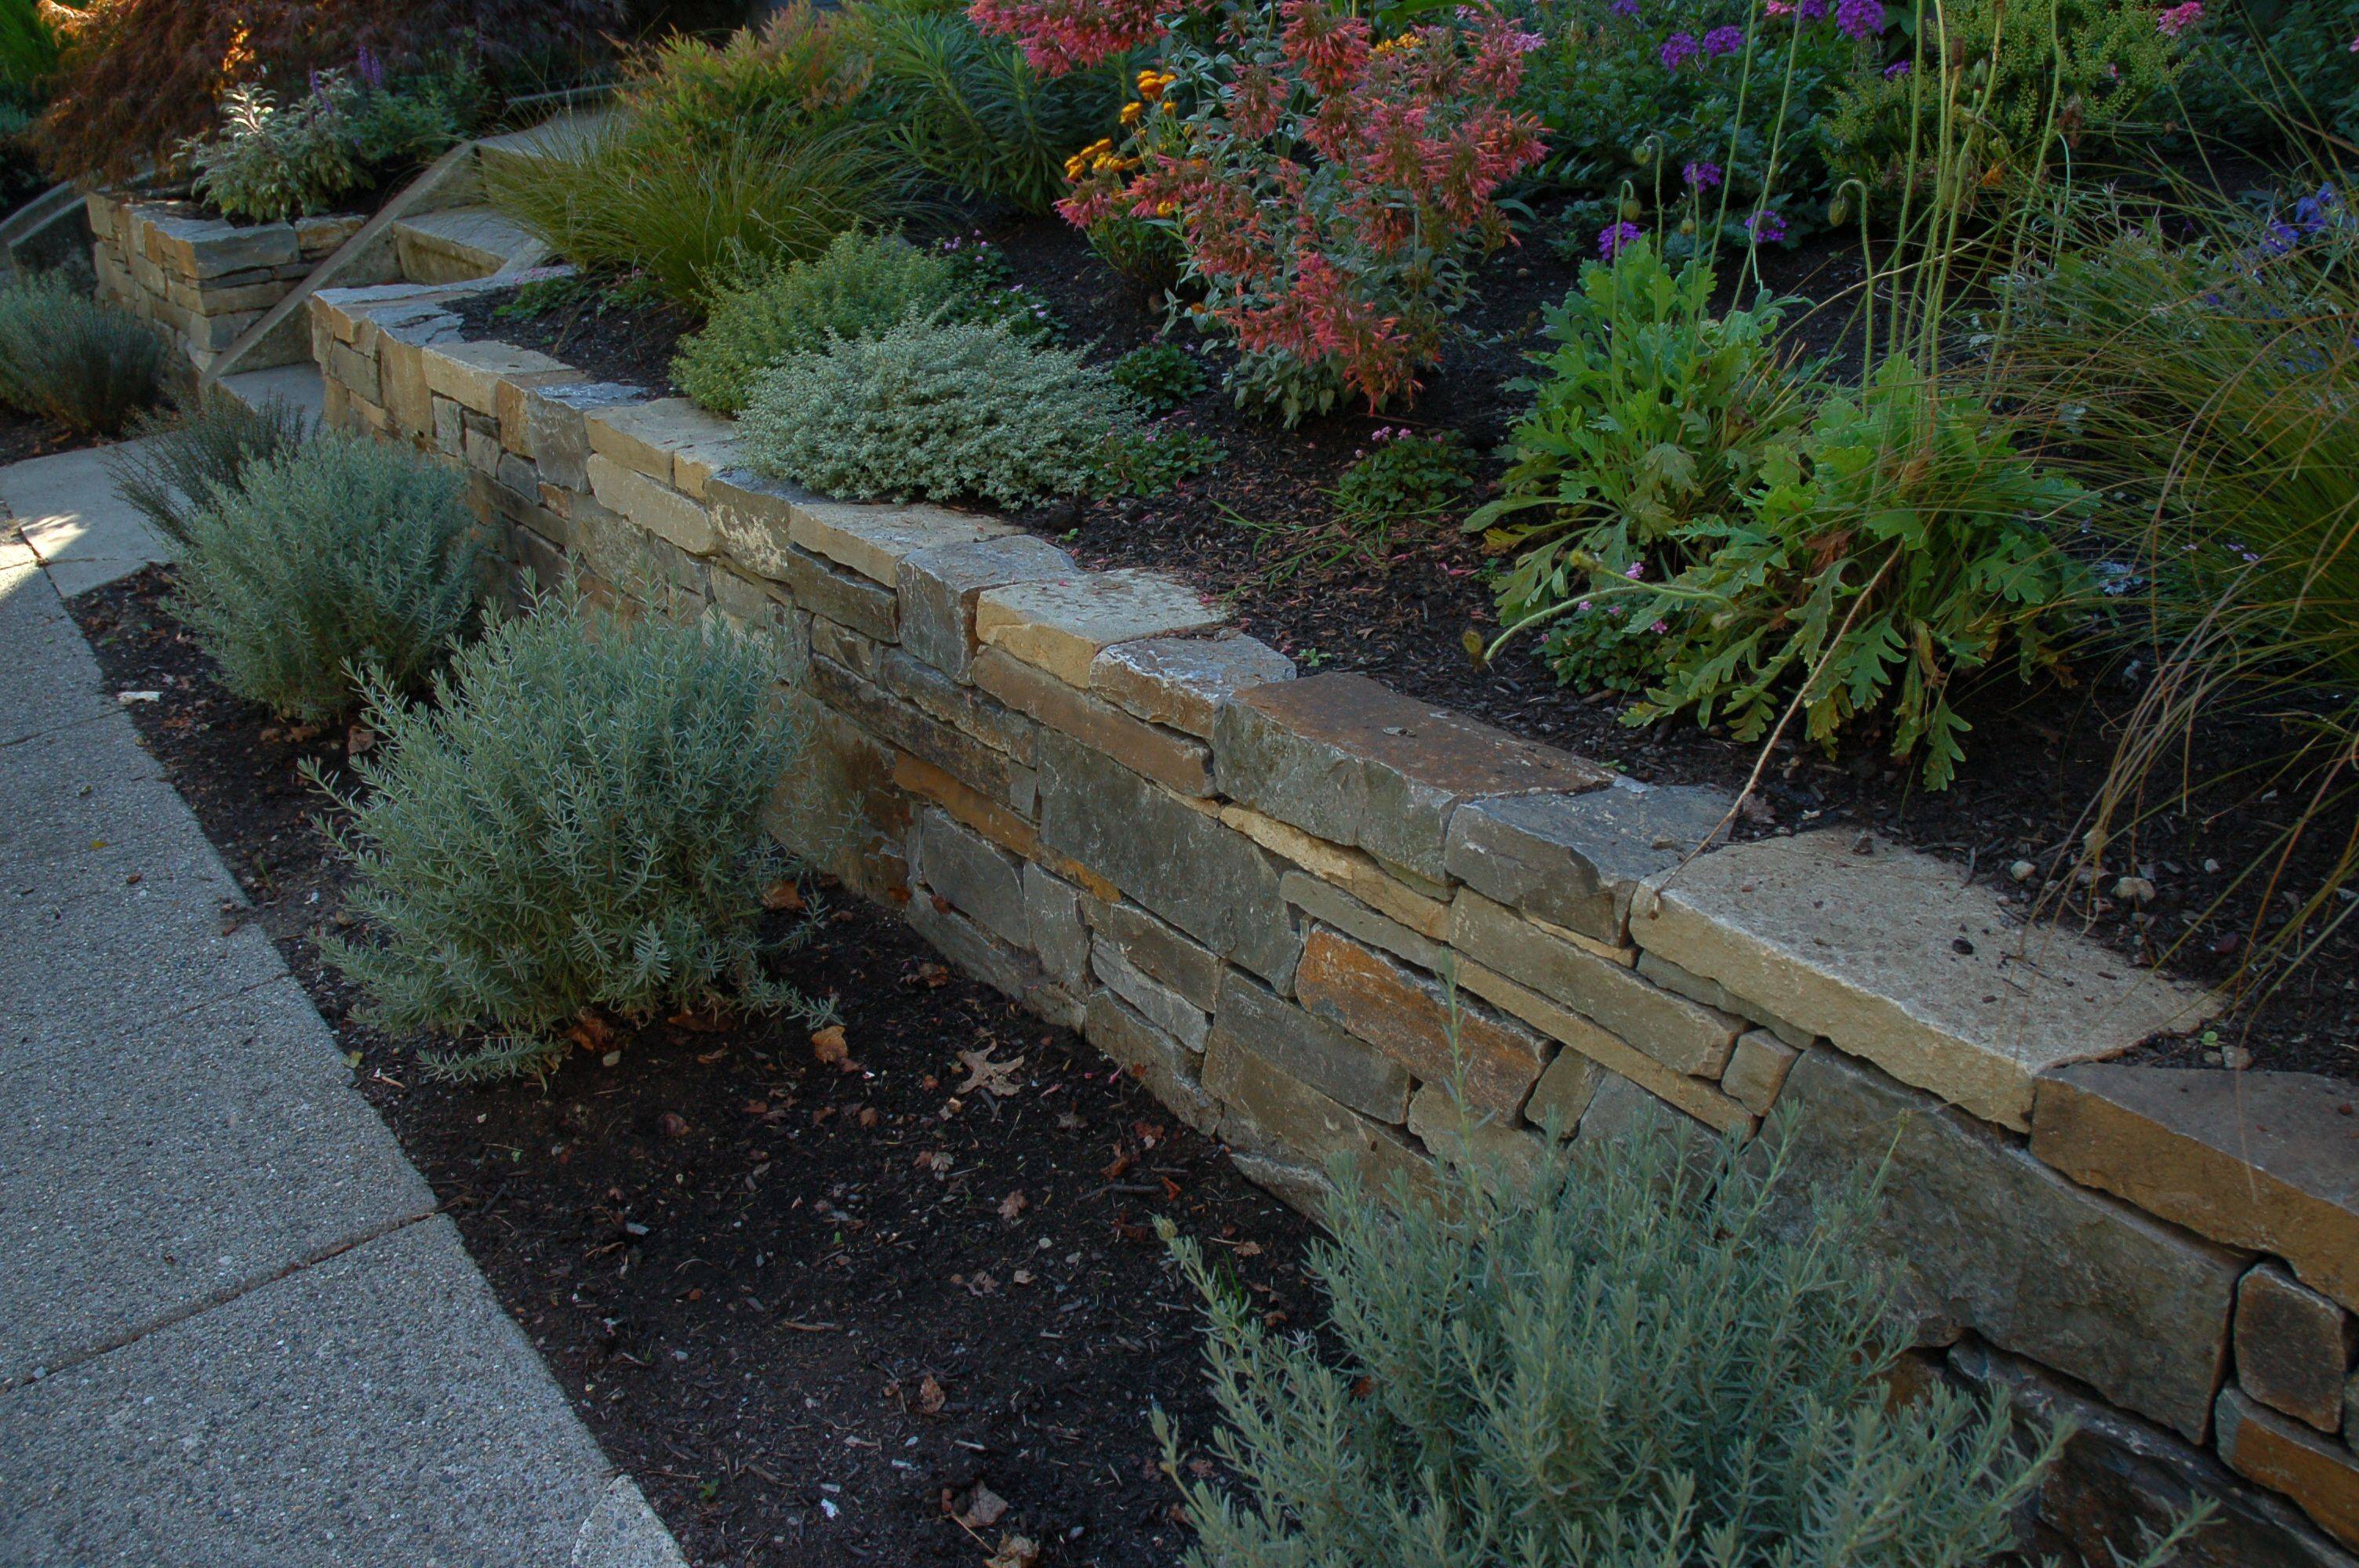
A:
1765	227
2179	18
1895	70
1611	241
1701	174
1860	19
1724	41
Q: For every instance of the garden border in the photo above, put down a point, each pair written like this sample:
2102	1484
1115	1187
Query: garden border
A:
1268	897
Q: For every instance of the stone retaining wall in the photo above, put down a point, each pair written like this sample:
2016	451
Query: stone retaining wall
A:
203	279
1264	893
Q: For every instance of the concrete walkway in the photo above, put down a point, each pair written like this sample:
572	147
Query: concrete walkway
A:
234	1332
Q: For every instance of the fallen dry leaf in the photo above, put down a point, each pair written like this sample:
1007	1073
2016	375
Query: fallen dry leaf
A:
984	1508
782	894
930	1397
674	1124
828	1045
1013	1204
1015	1551
994	1078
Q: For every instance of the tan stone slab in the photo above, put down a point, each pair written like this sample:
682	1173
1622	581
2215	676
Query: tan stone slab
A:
1324	902
468	374
1411	1019
513	408
2294	1348
1355	872
2268	1160
1180	681
1064	623
692	467
2317	1472
1179	763
657	507
872	539
1757	1070
1890	956
1268	1111
643	436
1496	1147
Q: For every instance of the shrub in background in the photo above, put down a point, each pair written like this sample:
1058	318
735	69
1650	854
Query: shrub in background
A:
343	556
988	290
795	69
66	357
2258	70
28	49
269	163
573	823
1629	1360
178	463
945	410
1335	272
860	284
1152	460
1401	476
1160	375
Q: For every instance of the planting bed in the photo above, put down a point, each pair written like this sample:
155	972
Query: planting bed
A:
1403	614
811	1309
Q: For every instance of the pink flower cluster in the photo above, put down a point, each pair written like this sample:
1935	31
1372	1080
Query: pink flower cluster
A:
1060	35
2179	18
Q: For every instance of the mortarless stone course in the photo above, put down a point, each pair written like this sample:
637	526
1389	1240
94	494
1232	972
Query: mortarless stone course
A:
1576	859
2294	1348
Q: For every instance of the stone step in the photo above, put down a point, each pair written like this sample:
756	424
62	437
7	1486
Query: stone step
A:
459	243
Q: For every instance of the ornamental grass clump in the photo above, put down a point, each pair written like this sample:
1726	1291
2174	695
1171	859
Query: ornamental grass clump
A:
861	285
573	823
1629	1360
941	410
345	565
66	358
177	463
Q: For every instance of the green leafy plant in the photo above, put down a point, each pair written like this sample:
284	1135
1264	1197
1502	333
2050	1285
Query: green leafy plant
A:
2270	70
573	823
1160	375
946	410
343	561
178	463
795	71
271	163
66	357
412	119
860	284
1631	1358
28	49
989	290
967	109
1402	476
1152	460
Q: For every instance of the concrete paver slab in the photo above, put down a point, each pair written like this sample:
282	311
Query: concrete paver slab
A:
84	532
153	1172
376	1409
124	953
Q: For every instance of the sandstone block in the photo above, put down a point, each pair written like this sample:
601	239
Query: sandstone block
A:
2268	1160
1211	883
872	538
1503	1149
449	430
855	653
468	374
1179	763
1711	993
1256	1019
1353	871
642	437
1993	1240
979	714
319	236
1413	1019
1153	1058
2294	1348
1350	760
1149	998
849	600
557	430
1684	1035
1268	1112
1064	623
1180	681
1331	905
993	773
508	405
753	516
694	465
1053	920
1576	859
1158	950
1620	1113
1889	957
973	950
1564	1094
1697	1098
981	881
1757	1070
842	809
356	371
2319	1475
657	507
939	585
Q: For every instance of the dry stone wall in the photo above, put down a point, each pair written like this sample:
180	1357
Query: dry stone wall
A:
1292	905
204	280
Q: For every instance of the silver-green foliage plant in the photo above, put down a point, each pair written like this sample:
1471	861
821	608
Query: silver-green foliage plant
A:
344	556
573	822
944	410
178	460
271	163
861	285
1631	1360
66	357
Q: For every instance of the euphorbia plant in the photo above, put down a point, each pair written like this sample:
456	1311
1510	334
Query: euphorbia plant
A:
1328	190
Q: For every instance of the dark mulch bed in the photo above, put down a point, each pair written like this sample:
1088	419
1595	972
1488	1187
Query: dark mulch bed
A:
25	436
809	1308
611	339
1404	614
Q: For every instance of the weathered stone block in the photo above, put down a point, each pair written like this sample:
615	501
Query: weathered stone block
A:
356	371
483	452
853	602
1053	921
642	437
1268	1112
842	809
654	506
1256	1020
1351	761
872	538
1500	1148
2268	1160
938	586
975	712
1212	883
1158	950
1621	1112
509	409
846	647
2294	1348
694	465
1331	905
1353	871
1995	1241
468	374
556	432
981	881
1153	1058
973	950
2319	1475
1711	993
1576	859
753	516
449	431
1564	1094
1684	1035
1892	958
1149	998
1062	623
957	753
1699	1098
1413	1019
1757	1070
1180	681
1179	763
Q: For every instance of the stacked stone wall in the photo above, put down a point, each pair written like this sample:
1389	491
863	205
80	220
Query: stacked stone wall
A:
204	280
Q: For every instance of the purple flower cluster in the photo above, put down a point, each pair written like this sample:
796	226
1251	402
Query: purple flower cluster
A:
1701	176
1677	49
1860	19
1895	70
1624	9
1767	228
1611	241
1724	41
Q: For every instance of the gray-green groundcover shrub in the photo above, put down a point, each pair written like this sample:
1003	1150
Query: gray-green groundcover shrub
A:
861	285
573	822
944	410
66	357
1629	1360
178	461
346	554
271	163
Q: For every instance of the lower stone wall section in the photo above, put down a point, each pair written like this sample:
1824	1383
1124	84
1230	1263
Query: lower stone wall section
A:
1298	907
204	280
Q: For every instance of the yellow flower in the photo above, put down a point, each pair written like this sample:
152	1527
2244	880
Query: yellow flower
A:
1133	112
1166	209
1152	83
